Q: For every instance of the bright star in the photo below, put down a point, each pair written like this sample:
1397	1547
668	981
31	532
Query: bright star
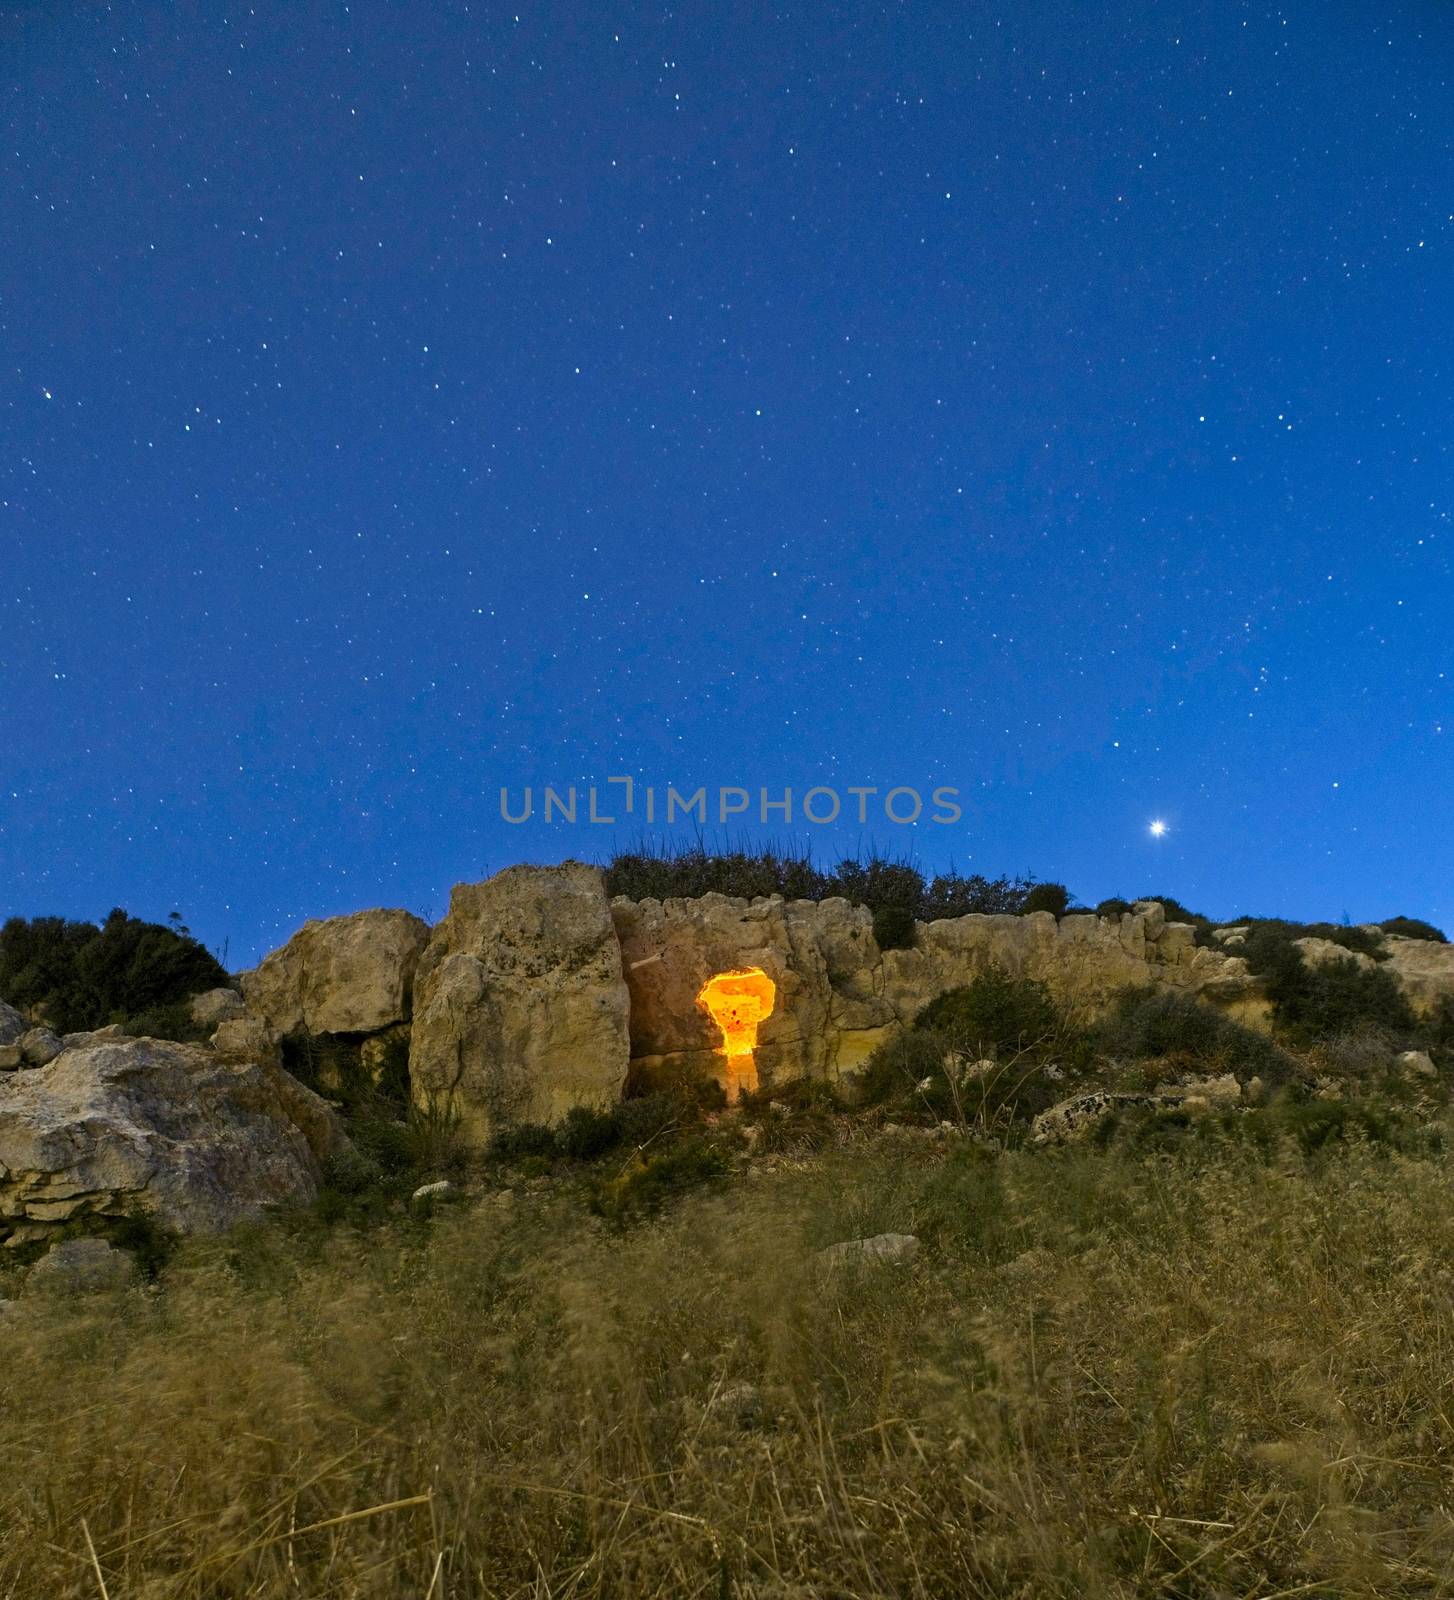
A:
1158	828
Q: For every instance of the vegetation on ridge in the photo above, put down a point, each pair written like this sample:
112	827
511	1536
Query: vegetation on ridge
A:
78	975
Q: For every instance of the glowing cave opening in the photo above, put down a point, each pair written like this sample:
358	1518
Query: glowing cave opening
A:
737	1002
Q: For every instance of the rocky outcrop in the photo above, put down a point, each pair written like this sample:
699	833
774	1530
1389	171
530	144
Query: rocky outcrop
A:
1073	1118
1326	952
520	1008
829	1010
838	994
1424	970
117	1126
350	974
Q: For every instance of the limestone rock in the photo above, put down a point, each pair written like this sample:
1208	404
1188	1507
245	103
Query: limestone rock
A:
81	1266
890	1247
351	974
1153	916
247	1038
11	1059
1424	970
1323	952
217	1006
1073	1118
821	957
116	1126
12	1024
1176	944
520	1007
431	1193
38	1046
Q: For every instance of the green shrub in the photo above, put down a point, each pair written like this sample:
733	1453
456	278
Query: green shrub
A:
81	976
898	1065
877	882
951	895
993	1014
894	928
648	1182
1147	1023
521	1139
1051	897
172	1021
1414	928
1113	907
585	1134
1311	1003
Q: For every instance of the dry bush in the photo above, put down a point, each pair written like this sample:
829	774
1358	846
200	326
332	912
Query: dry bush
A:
1100	1377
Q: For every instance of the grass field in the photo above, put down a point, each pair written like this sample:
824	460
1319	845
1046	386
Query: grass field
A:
1208	1371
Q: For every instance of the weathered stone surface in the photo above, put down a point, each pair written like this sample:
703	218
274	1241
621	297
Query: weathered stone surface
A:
122	1125
1324	952
1424	969
216	1006
350	974
81	1266
12	1024
38	1046
1152	914
829	1008
520	1005
11	1059
890	1247
838	995
247	1038
1073	1118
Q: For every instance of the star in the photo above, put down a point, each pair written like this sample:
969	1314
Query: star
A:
1158	829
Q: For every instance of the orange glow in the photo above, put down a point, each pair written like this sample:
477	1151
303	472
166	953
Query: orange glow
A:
737	1002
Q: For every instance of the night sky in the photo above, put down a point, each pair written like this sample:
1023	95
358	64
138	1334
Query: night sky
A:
401	401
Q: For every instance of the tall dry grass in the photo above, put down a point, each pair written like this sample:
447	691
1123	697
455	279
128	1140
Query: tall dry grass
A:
1102	1376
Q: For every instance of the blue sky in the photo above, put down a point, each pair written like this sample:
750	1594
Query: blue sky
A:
399	403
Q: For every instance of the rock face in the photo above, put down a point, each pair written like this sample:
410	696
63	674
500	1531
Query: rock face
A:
115	1126
520	1008
1325	953
1424	969
38	1046
838	995
345	975
829	1011
215	1006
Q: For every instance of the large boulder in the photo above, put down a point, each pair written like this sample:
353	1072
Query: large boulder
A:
520	1008
350	974
216	1006
118	1126
12	1024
